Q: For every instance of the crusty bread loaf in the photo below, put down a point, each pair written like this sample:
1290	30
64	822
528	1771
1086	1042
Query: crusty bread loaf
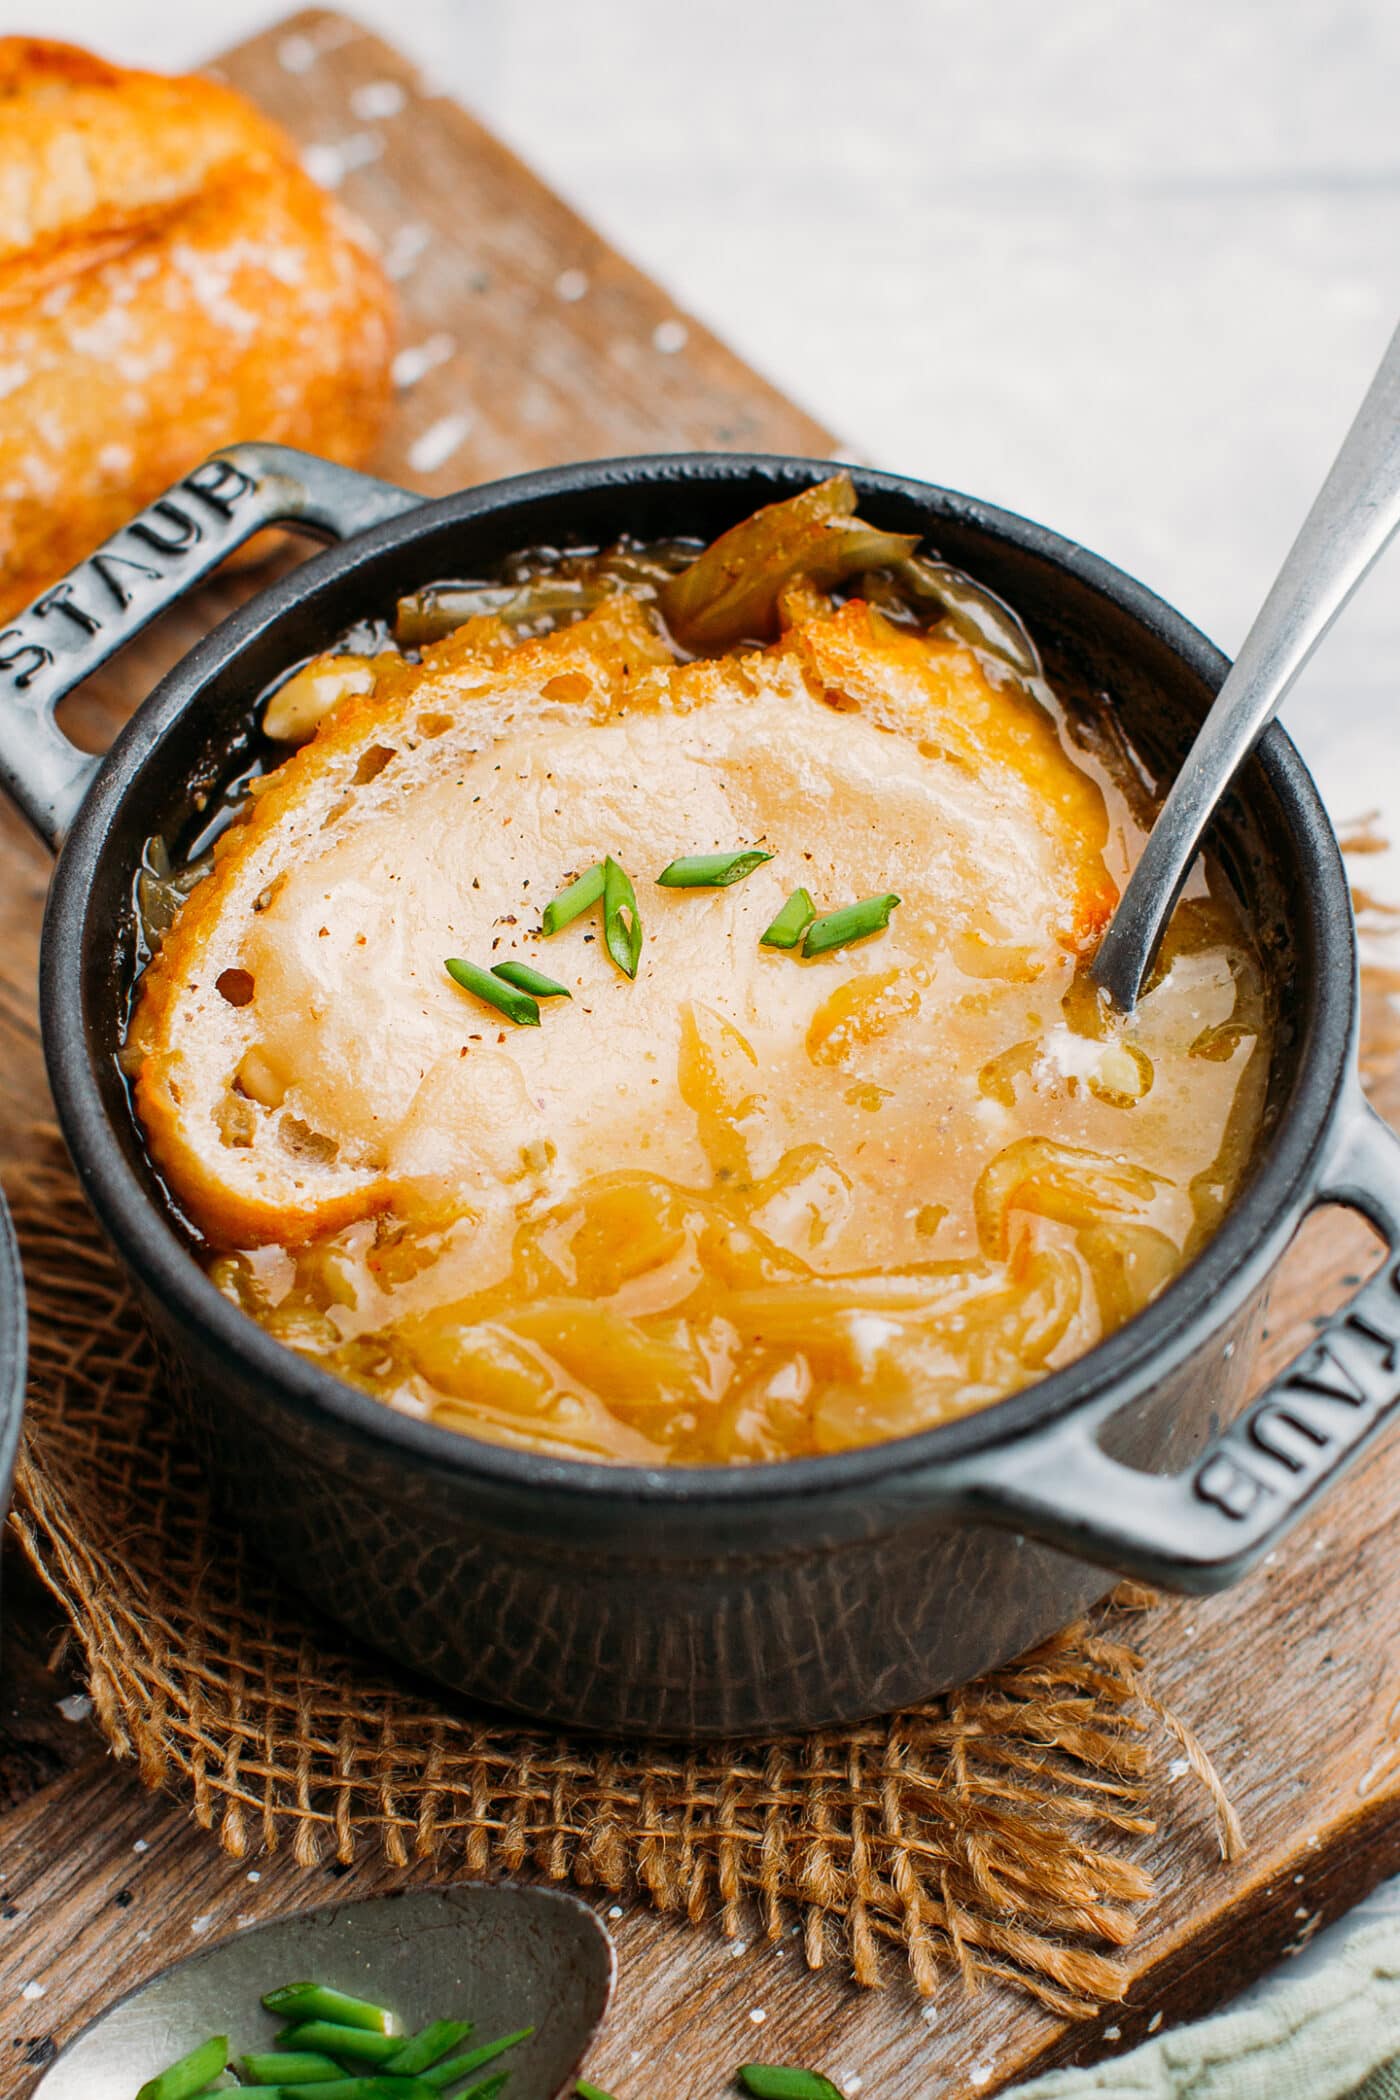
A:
170	281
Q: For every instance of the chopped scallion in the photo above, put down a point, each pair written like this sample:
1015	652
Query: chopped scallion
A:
462	2066
425	2048
527	980
485	2088
288	2067
573	902
517	1006
786	2082
852	923
182	2080
588	2091
373	2085
622	925
317	2001
331	2039
791	923
711	871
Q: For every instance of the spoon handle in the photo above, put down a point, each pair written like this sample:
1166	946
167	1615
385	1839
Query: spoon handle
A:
1356	511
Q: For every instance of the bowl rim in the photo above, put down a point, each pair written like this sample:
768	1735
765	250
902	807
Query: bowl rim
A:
1200	1299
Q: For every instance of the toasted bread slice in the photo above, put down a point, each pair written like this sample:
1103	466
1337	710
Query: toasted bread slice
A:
305	1060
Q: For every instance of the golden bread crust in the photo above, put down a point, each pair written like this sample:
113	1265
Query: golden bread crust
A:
171	280
91	149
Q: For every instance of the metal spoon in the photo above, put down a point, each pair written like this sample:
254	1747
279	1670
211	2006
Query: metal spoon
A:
501	1955
1356	512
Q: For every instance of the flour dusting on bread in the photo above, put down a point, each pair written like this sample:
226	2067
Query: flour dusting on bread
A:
168	272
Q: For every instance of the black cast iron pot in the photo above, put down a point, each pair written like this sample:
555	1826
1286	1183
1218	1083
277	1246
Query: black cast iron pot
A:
691	1601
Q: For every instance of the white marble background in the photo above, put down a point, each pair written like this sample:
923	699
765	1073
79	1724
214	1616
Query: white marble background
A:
1123	265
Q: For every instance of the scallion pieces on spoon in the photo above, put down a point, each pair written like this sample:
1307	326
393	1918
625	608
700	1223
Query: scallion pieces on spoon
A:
341	2048
527	980
853	922
180	2081
711	871
791	923
516	1005
573	902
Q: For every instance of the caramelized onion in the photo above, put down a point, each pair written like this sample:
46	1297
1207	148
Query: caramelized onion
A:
731	593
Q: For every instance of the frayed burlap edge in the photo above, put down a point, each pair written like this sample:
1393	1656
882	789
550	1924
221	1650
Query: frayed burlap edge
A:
986	1834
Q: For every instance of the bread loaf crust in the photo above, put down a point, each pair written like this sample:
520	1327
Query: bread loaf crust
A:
170	281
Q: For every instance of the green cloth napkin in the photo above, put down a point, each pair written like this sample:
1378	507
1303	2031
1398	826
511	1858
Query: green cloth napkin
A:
1317	2030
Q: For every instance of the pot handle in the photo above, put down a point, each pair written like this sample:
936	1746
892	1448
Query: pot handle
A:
86	617
1198	1531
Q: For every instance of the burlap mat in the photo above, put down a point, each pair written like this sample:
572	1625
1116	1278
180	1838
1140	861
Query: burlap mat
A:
989	1832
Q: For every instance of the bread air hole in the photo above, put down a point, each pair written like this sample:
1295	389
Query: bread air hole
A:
236	986
435	725
304	1143
236	1120
372	763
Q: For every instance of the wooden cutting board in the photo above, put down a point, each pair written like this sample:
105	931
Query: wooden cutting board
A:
527	340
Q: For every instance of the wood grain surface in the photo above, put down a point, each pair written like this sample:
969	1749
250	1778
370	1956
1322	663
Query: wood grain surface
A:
526	341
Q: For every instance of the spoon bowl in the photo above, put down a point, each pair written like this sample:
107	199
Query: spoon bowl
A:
499	1954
